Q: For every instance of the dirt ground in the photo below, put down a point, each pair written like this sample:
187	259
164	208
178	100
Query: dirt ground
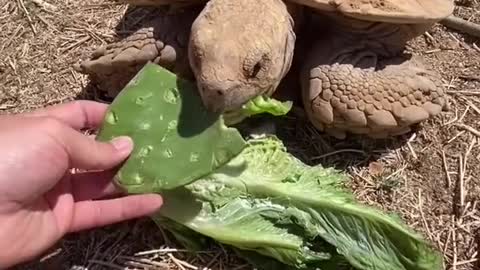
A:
431	177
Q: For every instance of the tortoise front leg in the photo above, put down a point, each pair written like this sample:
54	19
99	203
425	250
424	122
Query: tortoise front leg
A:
162	40
348	87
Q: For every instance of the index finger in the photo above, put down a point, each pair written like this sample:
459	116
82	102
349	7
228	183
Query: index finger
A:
77	114
93	214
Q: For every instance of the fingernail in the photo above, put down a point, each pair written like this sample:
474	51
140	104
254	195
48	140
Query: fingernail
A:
123	144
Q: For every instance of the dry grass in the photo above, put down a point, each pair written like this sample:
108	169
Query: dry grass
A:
431	177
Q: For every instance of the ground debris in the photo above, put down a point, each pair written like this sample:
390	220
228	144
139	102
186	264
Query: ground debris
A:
432	179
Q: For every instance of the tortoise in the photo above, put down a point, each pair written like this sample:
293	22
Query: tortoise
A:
347	57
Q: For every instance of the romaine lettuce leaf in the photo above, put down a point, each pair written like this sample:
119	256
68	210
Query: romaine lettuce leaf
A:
267	201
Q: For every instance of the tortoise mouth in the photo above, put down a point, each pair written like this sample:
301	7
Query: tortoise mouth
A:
234	98
240	105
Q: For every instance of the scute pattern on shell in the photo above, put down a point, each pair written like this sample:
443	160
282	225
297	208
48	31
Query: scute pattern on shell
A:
379	4
390	11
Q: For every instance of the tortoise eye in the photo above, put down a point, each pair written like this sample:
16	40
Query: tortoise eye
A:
255	66
256	69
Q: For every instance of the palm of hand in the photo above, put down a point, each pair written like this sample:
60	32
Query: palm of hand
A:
40	199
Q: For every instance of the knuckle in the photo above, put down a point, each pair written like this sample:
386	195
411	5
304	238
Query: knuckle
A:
102	154
78	105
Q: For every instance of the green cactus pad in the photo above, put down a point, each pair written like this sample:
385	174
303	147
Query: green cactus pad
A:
176	139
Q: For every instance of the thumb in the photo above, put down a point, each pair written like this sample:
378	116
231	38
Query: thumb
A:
88	154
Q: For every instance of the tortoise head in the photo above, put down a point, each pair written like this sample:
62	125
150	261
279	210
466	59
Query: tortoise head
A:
239	50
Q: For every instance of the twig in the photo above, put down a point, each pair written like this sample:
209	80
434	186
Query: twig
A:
30	22
213	260
455	137
429	37
461	25
475	46
470	104
456	39
50	255
396	172
338	152
420	208
461	176
466	262
433	51
463	169
467	93
45	5
464	114
180	263
364	179
49	25
445	245
79	42
445	166
469	129
137	265
144	261
6	106
409	145
176	261
469	77
454	242
167	250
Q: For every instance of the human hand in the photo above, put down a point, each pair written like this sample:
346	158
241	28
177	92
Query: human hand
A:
40	198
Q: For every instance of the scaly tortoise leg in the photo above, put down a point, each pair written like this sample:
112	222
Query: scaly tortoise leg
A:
162	40
352	91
